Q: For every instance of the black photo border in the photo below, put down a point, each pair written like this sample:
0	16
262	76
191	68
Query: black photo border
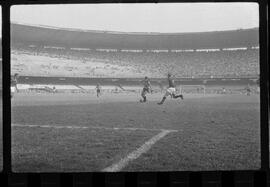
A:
178	178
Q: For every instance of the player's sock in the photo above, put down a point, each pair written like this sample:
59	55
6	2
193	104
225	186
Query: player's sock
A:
162	101
144	99
175	96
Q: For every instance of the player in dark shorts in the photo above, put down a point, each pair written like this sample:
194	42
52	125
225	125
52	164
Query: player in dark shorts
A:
98	88
146	89
171	91
13	84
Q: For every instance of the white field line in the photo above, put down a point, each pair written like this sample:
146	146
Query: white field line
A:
88	127
137	153
123	162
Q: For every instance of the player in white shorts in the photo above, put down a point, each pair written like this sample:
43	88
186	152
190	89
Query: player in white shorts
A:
171	91
13	84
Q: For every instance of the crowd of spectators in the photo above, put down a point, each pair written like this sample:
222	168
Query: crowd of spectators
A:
218	64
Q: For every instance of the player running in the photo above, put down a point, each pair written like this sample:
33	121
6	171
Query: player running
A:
13	84
146	89
98	89
170	91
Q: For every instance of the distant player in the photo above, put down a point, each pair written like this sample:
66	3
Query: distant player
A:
98	89
13	84
54	89
224	90
248	89
171	91
146	89
116	89
258	85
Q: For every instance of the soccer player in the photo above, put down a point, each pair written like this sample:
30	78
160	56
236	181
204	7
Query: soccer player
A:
98	88
258	85
54	89
170	91
13	84
146	89
223	90
248	89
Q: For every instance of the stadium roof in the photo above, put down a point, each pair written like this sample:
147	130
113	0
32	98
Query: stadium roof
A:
74	38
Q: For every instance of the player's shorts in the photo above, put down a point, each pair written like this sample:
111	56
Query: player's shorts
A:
12	89
170	91
145	89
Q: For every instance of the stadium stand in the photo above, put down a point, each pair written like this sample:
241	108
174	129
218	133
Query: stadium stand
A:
240	63
38	56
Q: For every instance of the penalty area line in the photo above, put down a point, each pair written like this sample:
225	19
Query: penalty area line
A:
55	126
137	153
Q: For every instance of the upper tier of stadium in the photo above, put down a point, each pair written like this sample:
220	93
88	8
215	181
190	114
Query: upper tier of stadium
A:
75	38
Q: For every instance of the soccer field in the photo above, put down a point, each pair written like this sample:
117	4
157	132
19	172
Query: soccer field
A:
79	132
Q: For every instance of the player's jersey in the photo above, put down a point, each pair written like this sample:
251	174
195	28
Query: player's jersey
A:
146	83
171	83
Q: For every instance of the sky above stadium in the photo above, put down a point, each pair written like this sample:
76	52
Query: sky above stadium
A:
164	18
